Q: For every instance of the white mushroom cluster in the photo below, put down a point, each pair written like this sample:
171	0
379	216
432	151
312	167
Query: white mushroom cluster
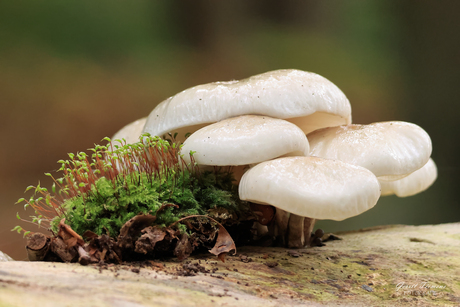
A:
306	158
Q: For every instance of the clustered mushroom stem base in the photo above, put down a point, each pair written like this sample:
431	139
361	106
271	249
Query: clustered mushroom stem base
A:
295	236
281	227
291	230
308	225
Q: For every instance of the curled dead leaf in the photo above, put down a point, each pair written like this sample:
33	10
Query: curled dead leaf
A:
150	236
224	242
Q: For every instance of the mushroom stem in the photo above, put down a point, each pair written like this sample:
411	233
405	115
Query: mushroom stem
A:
295	237
281	224
308	225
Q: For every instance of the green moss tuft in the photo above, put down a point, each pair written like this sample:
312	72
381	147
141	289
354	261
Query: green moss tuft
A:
120	180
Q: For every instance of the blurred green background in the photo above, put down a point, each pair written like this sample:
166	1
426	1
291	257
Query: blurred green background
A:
73	72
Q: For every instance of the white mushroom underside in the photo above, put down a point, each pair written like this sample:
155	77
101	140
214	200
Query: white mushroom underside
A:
284	94
386	149
311	187
245	140
131	132
414	183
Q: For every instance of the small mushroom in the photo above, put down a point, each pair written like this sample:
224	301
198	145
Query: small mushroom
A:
131	132
310	187
244	140
414	183
308	100
391	150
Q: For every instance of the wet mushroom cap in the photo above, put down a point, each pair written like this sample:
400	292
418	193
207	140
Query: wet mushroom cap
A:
311	187
244	140
389	149
286	94
131	132
414	183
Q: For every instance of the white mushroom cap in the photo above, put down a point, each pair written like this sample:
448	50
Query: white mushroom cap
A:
414	183
244	140
308	100
310	186
131	132
386	149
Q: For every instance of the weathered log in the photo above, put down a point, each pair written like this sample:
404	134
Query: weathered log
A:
382	266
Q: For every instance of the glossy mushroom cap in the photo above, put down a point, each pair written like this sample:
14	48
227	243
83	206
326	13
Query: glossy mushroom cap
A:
131	132
245	140
386	149
414	183
311	187
286	94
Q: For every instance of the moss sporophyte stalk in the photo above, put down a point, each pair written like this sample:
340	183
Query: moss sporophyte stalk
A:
100	192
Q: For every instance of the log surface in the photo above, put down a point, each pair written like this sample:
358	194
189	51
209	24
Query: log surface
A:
382	266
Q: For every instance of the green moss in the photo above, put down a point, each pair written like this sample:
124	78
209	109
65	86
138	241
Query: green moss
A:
120	181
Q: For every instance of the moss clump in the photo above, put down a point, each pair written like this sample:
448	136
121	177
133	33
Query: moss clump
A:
102	192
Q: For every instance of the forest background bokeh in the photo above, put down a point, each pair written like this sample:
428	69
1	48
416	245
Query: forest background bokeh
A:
74	72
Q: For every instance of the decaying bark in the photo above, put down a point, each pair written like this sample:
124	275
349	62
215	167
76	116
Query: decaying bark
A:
133	227
64	252
37	247
137	240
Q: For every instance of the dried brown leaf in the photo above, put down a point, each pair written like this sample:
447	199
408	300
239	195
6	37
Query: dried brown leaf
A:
224	244
151	235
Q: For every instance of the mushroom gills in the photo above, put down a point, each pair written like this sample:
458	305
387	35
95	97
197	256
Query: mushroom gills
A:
414	183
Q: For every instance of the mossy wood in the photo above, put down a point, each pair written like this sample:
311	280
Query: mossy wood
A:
382	266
